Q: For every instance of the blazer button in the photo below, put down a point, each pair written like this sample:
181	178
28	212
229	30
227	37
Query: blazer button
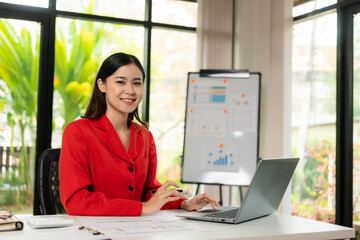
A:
131	188
131	168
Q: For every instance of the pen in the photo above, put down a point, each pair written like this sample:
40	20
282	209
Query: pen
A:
93	232
179	190
90	230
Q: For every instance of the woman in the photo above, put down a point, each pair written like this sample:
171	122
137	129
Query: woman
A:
107	161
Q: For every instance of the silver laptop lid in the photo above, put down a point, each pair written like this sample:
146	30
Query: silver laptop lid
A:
267	188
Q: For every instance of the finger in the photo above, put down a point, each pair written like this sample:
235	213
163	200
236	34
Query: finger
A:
214	200
169	183
206	197
165	193
210	199
213	205
174	192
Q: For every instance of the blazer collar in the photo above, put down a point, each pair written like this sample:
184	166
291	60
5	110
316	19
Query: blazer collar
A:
112	140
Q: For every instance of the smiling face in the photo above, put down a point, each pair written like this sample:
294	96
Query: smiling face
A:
123	90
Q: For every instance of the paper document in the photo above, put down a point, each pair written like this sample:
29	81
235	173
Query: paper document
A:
125	226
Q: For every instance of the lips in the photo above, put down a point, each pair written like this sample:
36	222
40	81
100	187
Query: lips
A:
129	100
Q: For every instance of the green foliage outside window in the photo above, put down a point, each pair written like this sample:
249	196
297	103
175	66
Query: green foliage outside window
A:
75	67
315	198
19	63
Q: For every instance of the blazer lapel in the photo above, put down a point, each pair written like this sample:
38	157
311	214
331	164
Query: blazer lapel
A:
111	139
136	140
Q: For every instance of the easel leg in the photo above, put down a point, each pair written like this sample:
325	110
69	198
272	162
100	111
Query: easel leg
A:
197	189
220	193
230	196
241	195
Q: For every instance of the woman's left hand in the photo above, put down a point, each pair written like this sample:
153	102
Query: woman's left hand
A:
198	202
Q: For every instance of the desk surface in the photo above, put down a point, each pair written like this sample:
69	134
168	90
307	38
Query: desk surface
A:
274	227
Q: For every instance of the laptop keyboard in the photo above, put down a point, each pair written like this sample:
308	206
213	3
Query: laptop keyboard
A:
224	214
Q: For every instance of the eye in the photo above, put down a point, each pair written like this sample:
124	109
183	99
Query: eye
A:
138	83
120	82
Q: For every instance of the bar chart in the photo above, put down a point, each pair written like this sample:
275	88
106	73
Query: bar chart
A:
220	159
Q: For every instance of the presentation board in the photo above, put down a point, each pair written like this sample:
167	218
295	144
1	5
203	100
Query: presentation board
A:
221	139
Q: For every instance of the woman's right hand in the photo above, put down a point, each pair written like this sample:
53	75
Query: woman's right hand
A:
161	197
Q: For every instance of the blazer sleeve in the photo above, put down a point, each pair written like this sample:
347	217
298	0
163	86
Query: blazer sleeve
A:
152	183
76	183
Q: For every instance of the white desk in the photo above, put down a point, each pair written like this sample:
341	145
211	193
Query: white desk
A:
274	227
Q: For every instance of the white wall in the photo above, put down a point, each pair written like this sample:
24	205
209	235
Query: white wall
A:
263	35
263	42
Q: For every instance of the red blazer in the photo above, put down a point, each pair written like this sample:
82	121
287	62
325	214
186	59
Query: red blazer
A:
99	177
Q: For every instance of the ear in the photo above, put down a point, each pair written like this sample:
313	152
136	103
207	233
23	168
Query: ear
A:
101	85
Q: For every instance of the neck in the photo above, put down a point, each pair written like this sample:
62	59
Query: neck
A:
119	121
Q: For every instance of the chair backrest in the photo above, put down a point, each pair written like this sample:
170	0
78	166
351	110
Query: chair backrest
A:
49	182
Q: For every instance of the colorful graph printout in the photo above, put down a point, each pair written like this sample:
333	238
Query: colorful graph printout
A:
220	159
207	123
208	92
243	113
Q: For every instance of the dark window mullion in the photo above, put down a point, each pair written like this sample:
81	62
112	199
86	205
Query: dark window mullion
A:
147	60
344	122
45	94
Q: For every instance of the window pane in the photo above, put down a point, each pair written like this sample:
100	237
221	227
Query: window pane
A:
80	48
173	56
134	9
310	5
314	118
356	126
34	3
175	12
19	65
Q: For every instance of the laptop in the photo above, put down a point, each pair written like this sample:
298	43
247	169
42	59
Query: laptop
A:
263	197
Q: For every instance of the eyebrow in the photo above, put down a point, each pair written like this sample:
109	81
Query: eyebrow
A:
121	77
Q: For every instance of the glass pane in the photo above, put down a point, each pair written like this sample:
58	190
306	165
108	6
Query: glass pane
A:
34	3
356	126
310	5
19	65
314	118
173	56
175	12
134	9
80	48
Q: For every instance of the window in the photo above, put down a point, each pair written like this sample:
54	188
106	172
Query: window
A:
84	33
35	3
80	48
329	141
314	117
173	56
19	64
306	6
182	13
356	124
134	9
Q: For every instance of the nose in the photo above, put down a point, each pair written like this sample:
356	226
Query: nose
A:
129	89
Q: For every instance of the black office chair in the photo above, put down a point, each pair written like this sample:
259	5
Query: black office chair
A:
49	182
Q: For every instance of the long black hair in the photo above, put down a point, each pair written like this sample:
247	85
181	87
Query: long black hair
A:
97	104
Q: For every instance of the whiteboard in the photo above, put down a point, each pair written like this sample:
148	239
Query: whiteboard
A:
221	139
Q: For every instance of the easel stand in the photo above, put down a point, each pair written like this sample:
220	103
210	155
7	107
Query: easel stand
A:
220	193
